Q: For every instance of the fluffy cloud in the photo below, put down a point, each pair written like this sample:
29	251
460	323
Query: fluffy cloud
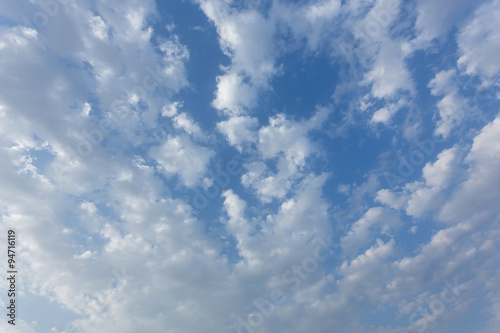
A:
420	197
452	108
312	22
436	19
389	73
477	192
239	130
359	234
385	114
286	143
246	37
437	177
479	41
179	155
233	94
92	120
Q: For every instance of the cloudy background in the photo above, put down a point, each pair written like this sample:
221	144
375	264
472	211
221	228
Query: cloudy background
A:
175	166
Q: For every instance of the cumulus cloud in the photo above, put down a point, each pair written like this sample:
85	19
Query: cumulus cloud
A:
311	22
99	155
179	155
479	41
359	234
287	143
239	130
436	19
385	114
420	197
246	37
452	108
233	94
478	191
389	73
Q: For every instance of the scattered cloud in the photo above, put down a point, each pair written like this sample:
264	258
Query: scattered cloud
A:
105	148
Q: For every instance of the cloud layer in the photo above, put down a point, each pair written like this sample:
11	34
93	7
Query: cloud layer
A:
371	208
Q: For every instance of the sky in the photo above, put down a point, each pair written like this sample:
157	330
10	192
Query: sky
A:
251	166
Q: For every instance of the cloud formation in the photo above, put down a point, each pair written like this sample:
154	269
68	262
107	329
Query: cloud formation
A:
108	136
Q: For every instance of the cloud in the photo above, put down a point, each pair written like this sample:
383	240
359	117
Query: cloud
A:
286	143
245	36
466	241
479	41
437	177
475	195
278	238
309	22
421	197
436	19
179	155
389	74
184	122
93	130
361	230
452	108
250	40
239	130
237	225
385	114
234	95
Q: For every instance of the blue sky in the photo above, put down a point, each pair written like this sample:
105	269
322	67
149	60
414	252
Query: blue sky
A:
251	166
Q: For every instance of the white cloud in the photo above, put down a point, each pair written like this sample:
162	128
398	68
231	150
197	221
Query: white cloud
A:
465	245
233	95
436	18
385	114
374	25
279	237
250	40
391	199
452	109
361	231
443	170
381	116
184	122
174	55
420	197
476	195
170	110
98	27
237	225
389	74
143	260
312	22
239	130
287	143
437	177
479	42
246	36
289	137
179	155
88	207
85	255
284	136
267	184
86	109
